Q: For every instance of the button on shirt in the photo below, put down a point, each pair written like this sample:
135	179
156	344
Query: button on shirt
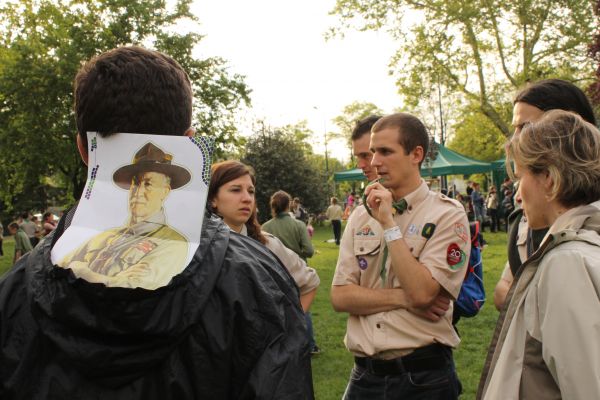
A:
435	229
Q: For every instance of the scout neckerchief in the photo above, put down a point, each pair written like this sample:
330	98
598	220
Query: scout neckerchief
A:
398	207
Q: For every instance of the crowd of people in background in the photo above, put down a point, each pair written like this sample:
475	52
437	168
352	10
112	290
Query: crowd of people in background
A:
28	230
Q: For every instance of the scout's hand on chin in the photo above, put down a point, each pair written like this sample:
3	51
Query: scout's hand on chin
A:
379	200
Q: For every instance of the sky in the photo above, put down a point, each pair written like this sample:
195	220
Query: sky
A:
294	72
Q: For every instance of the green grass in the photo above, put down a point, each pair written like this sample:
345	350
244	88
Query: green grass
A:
8	245
331	368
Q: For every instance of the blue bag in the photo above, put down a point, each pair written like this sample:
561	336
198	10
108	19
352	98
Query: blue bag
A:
472	293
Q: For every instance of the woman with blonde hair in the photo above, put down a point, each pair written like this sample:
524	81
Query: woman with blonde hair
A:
546	344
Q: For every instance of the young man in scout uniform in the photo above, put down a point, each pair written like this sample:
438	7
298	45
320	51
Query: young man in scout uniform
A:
135	255
361	146
401	253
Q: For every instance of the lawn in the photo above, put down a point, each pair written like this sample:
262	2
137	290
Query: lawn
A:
332	367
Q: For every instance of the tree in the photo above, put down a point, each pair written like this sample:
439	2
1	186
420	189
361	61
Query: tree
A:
282	162
352	113
594	53
475	136
42	45
482	49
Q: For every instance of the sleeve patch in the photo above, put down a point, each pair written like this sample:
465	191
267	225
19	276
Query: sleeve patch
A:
461	232
455	256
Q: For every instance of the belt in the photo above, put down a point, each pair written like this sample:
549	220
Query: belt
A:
432	357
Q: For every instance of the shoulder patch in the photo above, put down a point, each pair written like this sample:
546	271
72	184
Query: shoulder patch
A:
365	231
455	256
461	232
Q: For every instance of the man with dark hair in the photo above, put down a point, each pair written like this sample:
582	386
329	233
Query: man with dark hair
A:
361	140
403	252
530	104
197	336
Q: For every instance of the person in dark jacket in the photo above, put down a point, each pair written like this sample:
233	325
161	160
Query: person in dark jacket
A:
230	326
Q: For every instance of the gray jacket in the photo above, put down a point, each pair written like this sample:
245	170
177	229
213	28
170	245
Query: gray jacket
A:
546	342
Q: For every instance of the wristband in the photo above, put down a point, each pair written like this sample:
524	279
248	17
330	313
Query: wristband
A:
392	234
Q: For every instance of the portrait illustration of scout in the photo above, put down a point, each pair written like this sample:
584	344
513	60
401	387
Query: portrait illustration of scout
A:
146	252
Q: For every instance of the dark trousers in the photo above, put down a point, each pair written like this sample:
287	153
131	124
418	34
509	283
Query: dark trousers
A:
309	330
337	230
495	221
440	383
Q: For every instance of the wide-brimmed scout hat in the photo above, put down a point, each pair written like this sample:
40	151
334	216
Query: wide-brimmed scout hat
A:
152	159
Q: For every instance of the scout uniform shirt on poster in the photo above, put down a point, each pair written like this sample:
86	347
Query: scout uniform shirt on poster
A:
435	229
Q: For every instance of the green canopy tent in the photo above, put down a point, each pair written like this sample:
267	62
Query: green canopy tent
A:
447	162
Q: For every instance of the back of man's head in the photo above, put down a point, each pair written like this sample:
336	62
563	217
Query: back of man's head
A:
557	94
364	126
135	90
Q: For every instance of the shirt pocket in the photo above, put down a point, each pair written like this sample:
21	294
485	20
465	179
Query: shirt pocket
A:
415	245
367	253
366	247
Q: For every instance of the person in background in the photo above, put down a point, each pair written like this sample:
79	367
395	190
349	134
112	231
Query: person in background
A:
334	214
1	239
469	198
48	223
309	228
361	146
29	227
491	203
299	211
530	104
22	242
294	235
546	344
478	204
290	231
507	206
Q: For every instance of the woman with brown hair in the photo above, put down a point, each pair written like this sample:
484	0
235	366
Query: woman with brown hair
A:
231	196
546	344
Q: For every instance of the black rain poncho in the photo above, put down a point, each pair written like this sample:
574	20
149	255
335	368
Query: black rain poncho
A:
230	326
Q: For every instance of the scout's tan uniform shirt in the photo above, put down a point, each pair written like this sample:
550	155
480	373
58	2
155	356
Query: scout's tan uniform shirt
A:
435	228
